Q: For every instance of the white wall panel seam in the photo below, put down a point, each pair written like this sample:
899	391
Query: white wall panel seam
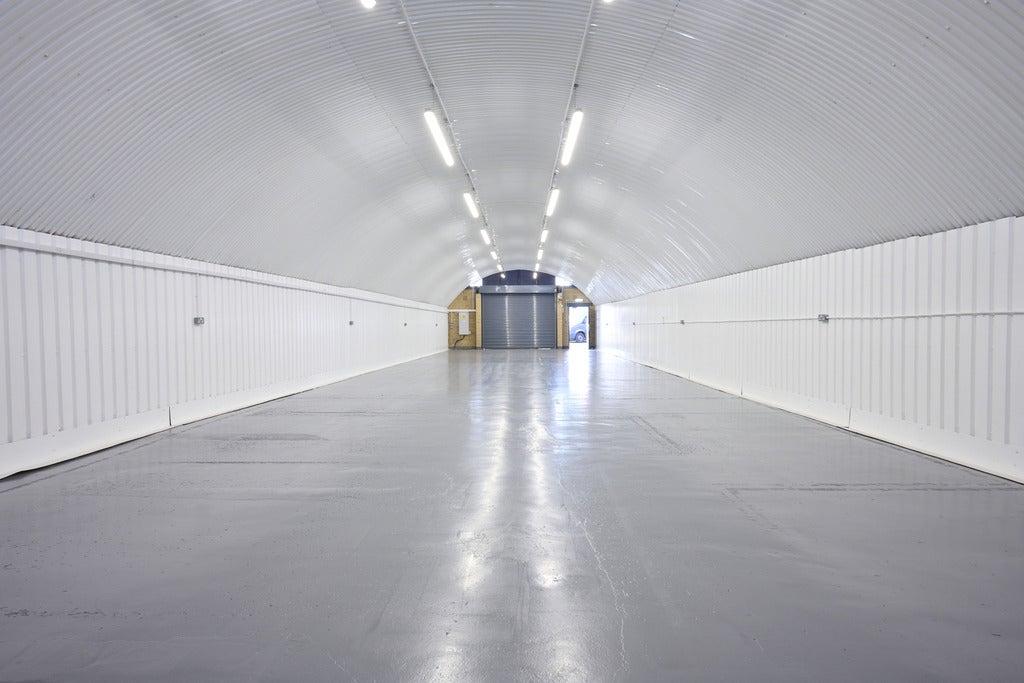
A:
1010	302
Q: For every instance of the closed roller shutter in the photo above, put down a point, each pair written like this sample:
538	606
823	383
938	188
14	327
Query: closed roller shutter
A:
519	321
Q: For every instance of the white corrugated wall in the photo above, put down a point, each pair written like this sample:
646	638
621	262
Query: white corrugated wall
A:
923	346
99	346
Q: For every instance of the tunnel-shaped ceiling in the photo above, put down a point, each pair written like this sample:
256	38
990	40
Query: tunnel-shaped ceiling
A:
717	136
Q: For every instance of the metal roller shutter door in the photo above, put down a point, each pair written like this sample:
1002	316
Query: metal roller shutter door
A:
519	321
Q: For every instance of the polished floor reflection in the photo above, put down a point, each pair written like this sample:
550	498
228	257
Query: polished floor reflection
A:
515	516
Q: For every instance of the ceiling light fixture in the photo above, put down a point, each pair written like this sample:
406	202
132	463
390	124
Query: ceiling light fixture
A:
534	275
552	202
570	139
544	236
434	126
536	266
500	269
441	127
494	255
370	4
540	254
471	205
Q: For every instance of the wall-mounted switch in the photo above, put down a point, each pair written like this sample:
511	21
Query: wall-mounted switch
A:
823	317
351	322
199	320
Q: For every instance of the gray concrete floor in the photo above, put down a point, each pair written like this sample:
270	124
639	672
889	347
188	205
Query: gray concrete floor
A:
511	515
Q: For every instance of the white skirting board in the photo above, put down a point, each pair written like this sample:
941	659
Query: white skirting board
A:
50	449
100	345
978	454
917	342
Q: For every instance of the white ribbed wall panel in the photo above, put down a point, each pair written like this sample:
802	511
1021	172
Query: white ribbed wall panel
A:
98	350
924	346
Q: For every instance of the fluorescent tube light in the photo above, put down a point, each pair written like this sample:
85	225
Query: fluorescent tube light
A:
552	202
536	266
370	4
570	138
500	268
540	254
471	205
434	126
544	236
494	255
487	238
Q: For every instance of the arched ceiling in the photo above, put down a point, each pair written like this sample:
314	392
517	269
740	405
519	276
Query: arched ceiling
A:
718	136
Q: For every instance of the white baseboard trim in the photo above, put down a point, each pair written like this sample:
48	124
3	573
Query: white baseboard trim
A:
201	409
50	449
970	451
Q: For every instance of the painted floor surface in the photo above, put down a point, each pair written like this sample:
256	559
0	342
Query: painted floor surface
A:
515	516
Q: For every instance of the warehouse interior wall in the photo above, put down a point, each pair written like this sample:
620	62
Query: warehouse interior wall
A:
919	348
206	205
102	344
693	176
466	302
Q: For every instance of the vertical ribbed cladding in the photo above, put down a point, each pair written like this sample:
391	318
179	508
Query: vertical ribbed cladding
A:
100	344
719	136
920	346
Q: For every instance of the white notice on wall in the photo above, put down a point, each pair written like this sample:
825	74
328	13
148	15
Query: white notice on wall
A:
463	322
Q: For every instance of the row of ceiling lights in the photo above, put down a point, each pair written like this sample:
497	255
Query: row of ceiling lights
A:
575	123
568	147
441	141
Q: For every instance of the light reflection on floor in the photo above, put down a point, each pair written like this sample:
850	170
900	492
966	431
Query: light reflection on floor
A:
530	515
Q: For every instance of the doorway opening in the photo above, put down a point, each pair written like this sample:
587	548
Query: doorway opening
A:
578	317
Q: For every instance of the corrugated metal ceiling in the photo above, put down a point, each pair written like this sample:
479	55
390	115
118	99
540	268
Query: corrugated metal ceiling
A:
719	135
